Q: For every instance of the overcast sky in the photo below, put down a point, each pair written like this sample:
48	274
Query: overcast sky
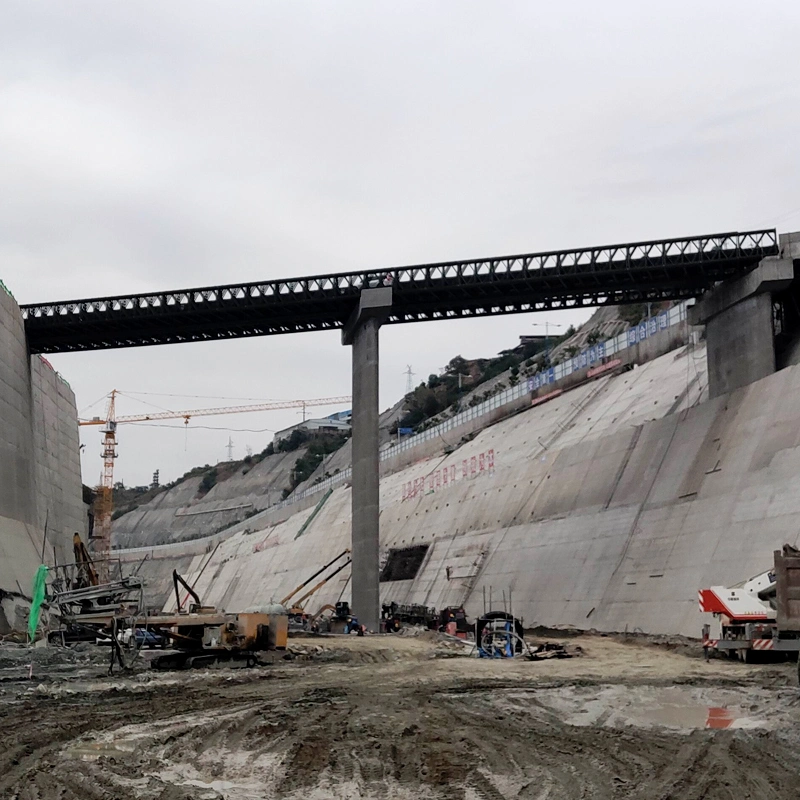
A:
148	146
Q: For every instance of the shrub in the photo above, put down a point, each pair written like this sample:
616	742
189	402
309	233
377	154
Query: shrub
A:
208	482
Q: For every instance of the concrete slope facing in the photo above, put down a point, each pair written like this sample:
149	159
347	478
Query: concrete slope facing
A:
549	506
606	507
179	514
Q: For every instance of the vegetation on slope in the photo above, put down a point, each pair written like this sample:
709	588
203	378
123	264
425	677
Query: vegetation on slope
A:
319	446
461	377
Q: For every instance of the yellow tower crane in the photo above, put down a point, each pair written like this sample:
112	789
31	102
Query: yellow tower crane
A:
105	507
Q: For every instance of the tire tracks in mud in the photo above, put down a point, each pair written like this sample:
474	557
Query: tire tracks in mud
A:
363	731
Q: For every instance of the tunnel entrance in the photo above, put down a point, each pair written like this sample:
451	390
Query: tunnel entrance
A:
404	564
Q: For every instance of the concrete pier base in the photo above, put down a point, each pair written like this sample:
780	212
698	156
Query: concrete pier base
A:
739	331
362	333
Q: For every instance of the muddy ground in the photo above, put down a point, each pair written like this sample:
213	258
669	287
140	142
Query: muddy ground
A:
402	717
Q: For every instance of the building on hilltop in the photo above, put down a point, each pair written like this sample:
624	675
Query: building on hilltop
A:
332	424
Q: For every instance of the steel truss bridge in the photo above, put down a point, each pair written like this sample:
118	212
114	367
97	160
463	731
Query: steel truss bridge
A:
670	269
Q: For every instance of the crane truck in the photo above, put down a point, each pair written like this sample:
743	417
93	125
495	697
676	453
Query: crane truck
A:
759	614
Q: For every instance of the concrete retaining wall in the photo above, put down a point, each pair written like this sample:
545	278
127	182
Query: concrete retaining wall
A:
39	462
594	513
145	530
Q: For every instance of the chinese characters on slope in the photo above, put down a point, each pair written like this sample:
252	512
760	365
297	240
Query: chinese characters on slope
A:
480	464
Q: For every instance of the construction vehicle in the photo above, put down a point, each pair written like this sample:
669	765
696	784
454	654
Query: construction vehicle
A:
761	614
298	617
203	636
452	619
114	612
394	616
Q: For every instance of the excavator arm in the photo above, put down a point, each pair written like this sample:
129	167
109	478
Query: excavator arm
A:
316	574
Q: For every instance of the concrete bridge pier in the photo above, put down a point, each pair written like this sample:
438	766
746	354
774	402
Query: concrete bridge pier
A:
739	324
361	332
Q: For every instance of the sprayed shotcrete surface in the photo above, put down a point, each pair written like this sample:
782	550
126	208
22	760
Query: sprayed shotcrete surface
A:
387	718
607	507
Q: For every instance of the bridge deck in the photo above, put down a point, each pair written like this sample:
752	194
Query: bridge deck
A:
671	269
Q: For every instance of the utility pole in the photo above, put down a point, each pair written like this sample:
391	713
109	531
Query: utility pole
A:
547	325
229	447
409	379
460	375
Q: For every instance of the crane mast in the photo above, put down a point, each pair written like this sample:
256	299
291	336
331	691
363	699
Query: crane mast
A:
101	540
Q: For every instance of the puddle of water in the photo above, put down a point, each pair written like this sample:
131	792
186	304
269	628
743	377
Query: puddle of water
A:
677	707
696	716
91	751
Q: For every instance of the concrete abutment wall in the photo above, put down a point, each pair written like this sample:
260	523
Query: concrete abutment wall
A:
40	479
738	316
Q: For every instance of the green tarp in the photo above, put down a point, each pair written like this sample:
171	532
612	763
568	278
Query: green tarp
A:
38	599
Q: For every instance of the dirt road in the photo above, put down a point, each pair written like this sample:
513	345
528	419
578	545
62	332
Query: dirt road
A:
385	718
